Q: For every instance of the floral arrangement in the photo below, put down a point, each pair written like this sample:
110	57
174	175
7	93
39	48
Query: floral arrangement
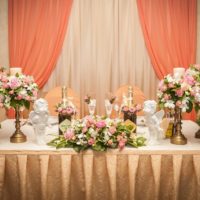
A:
18	90
192	76
65	109
98	134
176	92
132	110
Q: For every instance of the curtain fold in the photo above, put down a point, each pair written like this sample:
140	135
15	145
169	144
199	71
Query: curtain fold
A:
36	33
103	49
169	28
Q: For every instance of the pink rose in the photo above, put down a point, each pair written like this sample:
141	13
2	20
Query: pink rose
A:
179	92
132	110
91	141
19	97
14	83
121	144
69	134
112	130
100	124
190	80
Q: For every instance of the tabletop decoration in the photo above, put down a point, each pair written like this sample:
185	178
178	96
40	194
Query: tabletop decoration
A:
65	108
176	93
98	134
192	75
91	102
153	121
17	91
39	119
128	108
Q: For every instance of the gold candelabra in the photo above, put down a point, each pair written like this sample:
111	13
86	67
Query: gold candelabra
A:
18	136
177	137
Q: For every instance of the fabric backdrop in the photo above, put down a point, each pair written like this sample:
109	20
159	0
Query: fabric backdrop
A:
103	49
36	33
169	29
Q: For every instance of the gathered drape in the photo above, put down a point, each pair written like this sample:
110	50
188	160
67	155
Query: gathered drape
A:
169	29
36	33
103	49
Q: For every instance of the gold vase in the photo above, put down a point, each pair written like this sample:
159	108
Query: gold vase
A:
177	137
18	136
197	134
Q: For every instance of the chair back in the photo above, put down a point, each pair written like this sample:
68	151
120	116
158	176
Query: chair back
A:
138	95
54	96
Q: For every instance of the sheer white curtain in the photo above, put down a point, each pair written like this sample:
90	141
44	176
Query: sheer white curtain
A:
103	49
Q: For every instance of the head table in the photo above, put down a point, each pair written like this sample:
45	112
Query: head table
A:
164	171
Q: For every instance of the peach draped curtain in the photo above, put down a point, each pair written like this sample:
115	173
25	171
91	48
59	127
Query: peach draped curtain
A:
36	33
169	29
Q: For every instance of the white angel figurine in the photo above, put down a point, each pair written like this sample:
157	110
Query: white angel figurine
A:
153	120
39	119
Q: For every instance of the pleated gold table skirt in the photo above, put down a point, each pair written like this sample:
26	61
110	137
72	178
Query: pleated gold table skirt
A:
113	175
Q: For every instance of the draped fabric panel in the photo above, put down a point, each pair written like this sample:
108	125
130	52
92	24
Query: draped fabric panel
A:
103	49
170	30
36	34
97	176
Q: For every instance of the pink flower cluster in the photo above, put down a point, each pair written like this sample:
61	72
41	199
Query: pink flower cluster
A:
179	92
65	109
132	110
17	90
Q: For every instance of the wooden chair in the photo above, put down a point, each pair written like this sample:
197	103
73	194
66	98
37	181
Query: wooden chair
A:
138	95
54	96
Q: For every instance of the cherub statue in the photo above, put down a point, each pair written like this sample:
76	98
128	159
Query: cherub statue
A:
39	119
153	120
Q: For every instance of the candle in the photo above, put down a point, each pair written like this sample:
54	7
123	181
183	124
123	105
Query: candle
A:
178	72
15	70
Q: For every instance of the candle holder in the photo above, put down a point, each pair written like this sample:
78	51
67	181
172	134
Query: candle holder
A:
177	137
18	136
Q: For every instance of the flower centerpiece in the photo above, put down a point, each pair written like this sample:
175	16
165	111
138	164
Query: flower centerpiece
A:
193	75
98	134
128	108
17	91
131	112
176	93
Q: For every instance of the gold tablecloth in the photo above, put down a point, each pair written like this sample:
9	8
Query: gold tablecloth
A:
33	172
112	175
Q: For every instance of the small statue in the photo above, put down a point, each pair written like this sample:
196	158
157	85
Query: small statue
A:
39	119
153	120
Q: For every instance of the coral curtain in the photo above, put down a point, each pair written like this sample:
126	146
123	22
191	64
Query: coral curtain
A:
36	34
169	28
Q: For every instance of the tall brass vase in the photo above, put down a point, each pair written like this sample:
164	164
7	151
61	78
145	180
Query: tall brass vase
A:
177	137
18	136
